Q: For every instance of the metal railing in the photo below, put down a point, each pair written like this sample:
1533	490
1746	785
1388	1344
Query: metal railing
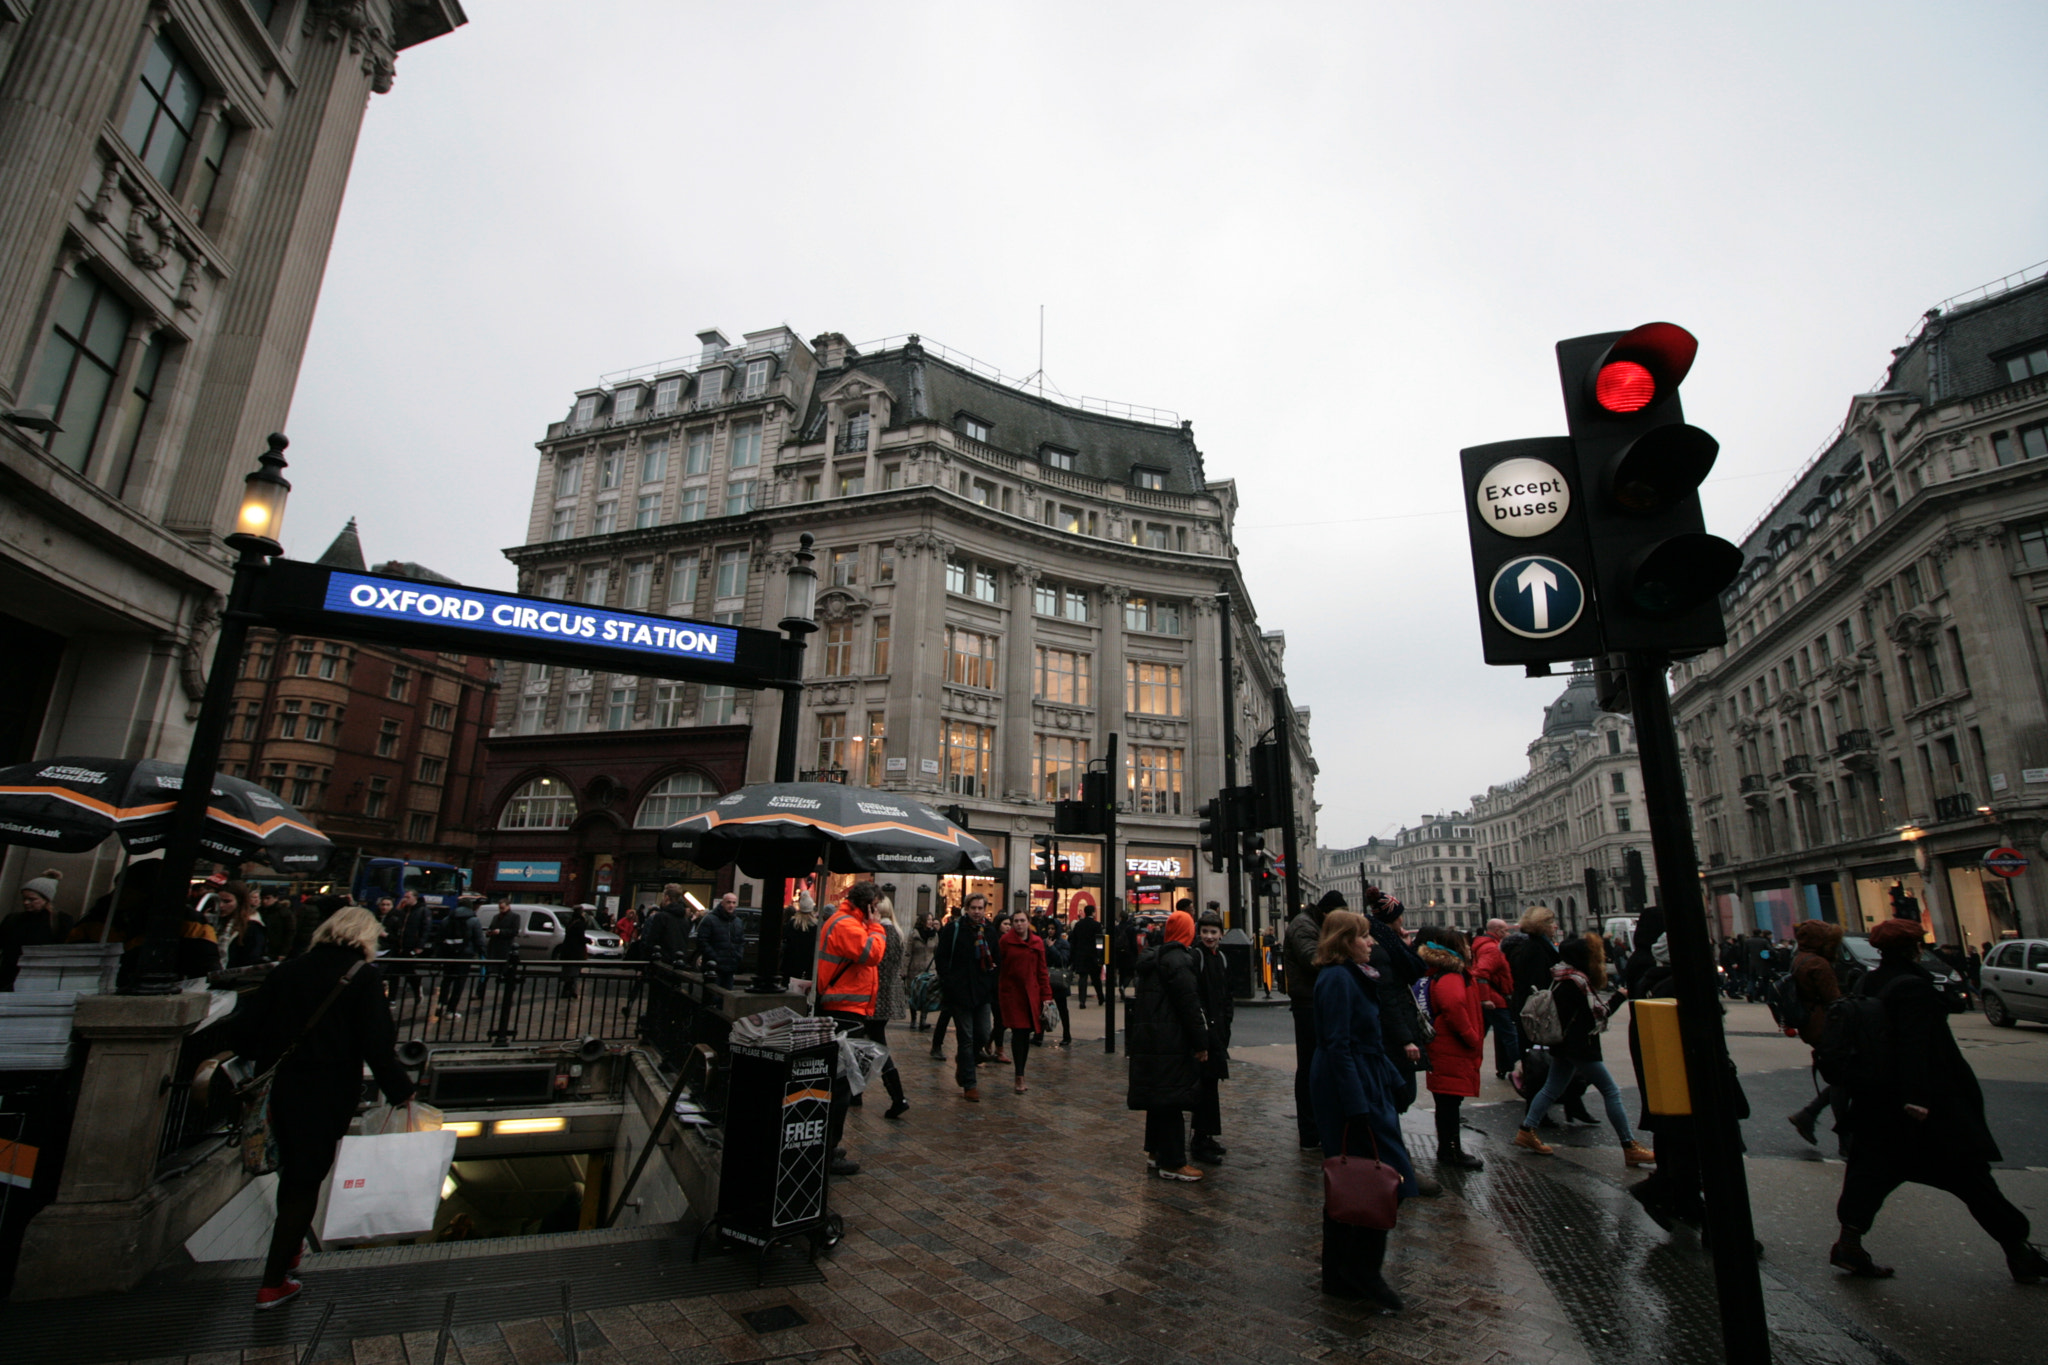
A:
505	1001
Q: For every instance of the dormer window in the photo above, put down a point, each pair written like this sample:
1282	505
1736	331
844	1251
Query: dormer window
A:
853	432
665	395
586	412
973	428
710	385
1055	458
2028	363
623	404
757	376
1154	479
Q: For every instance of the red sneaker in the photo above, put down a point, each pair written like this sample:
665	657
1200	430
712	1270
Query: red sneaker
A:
267	1297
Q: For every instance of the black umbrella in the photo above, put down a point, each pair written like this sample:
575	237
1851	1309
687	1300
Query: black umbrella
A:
783	829
72	804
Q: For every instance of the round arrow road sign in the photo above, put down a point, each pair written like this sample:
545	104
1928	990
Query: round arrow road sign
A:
1536	596
2006	862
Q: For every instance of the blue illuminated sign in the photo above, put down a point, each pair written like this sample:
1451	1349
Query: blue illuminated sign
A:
529	871
529	618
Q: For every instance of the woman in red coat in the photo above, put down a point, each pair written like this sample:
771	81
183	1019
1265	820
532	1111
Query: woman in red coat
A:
1455	1054
1023	985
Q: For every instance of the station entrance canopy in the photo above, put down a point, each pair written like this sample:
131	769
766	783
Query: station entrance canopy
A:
314	599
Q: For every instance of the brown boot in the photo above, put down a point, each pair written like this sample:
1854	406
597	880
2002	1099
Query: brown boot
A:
1635	1154
1526	1139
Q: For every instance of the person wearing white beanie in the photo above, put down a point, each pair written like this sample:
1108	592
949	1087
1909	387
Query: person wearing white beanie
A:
36	924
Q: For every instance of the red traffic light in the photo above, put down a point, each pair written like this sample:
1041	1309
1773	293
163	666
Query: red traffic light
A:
1642	366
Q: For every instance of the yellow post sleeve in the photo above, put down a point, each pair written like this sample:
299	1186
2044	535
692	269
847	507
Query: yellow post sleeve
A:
1665	1087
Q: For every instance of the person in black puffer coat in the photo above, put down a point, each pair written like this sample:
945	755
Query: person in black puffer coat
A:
1168	1043
1399	969
1219	1011
723	938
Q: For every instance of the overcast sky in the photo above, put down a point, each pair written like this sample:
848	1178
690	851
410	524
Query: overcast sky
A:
1342	239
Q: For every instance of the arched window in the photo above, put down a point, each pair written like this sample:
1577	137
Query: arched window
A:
675	796
543	803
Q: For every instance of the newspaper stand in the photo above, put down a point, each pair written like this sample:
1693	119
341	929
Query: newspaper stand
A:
774	1176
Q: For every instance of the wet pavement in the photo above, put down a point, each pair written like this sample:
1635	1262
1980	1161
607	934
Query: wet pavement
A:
1025	1228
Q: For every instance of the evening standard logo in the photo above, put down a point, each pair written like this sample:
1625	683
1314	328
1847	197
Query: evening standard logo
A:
36	831
60	773
905	859
499	614
794	803
734	799
877	808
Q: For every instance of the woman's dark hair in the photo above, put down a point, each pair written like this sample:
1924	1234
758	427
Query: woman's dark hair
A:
1586	954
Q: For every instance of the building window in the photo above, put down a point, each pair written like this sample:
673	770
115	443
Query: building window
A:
1062	676
542	803
969	749
586	413
163	112
852	485
690	504
569	477
1154	780
710	385
985	583
646	510
880	640
330	660
843	568
892	476
2026	365
387	738
682	584
2028	443
316	722
1056	459
970	658
562	524
302	660
526	721
401	682
697	452
639	583
1146	614
2032	540
554	584
252	719
596	581
623	403
378	795
1057	764
1154	689
674	797
956	576
432	768
885	564
288	720
609	468
305	786
838	649
757	376
1621	819
654	459
668	705
746	445
832	741
739	497
1152	536
618	708
715	705
1154	479
984	492
79	365
419	827
607	519
732	575
973	428
665	395
1619	782
853	432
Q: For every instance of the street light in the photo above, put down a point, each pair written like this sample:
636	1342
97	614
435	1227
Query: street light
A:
799	613
257	525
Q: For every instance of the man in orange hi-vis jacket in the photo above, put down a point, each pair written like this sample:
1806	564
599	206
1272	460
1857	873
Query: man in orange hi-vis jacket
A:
851	944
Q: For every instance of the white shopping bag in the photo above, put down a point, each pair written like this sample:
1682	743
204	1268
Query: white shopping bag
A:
387	1185
860	1061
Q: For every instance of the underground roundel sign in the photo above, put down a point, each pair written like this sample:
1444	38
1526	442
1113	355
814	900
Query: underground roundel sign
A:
1536	596
2006	862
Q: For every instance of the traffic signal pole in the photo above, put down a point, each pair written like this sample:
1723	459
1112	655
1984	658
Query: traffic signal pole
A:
1112	894
1283	734
1709	1076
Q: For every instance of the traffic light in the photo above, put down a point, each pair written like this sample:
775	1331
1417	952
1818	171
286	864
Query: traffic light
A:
1089	812
1216	831
1656	574
1525	525
1252	846
1269	786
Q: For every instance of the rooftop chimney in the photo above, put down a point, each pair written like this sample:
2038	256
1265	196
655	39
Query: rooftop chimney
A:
714	344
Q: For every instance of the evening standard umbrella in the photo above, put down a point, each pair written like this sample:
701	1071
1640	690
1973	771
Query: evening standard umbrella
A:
70	805
785	828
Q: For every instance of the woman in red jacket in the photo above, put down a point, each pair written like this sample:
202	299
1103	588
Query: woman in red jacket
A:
1023	985
1455	1000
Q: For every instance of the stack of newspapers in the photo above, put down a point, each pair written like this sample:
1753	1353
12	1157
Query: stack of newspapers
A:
782	1029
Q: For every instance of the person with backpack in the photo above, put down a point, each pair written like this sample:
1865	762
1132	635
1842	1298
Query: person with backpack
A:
1570	1016
1803	997
1916	1112
459	941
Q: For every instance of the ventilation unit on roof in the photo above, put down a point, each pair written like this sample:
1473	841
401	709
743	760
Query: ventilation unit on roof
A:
714	344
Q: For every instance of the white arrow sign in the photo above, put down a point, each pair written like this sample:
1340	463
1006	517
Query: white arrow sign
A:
1539	583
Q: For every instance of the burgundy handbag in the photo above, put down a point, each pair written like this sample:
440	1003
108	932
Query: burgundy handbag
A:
1362	1192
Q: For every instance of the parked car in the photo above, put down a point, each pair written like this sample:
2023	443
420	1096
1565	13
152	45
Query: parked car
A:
1859	957
2014	982
541	932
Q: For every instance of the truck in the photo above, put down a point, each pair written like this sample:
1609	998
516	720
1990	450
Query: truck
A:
438	884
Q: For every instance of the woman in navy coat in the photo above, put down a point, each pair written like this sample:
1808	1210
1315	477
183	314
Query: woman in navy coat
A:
1351	1087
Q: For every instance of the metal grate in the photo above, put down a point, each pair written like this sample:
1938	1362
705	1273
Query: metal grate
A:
780	1318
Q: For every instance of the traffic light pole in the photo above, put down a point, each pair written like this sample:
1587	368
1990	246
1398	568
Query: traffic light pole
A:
1709	1076
1112	895
1233	862
1283	732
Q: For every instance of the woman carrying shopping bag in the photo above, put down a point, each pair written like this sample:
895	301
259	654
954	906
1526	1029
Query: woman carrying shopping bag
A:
317	1019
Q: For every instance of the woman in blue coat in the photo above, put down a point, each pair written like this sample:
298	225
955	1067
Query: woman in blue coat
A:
1352	1087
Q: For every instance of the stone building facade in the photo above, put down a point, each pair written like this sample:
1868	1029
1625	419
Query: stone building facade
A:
1351	870
1434	869
1577	811
1005	582
1878	719
172	176
381	746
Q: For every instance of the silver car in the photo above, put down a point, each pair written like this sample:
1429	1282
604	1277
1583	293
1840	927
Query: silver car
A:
541	932
2014	982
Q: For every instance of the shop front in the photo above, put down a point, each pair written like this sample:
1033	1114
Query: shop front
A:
1982	899
1881	889
1158	875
